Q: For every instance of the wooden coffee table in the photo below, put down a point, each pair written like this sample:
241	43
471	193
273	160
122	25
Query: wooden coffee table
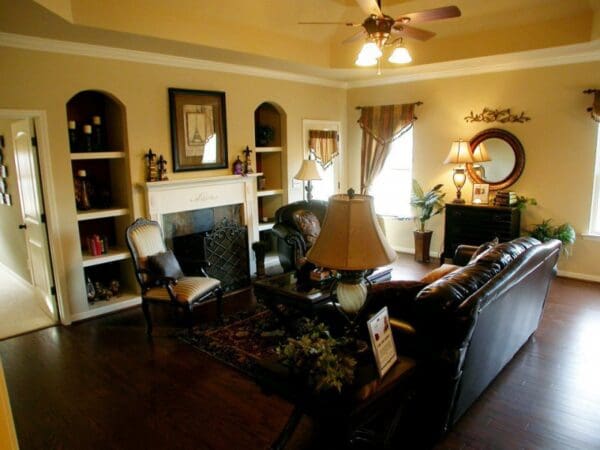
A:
305	298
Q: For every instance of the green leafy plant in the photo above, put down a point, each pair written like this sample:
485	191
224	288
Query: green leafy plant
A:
523	201
323	359
428	203
545	231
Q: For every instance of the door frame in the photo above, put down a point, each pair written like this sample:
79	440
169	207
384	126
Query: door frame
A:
40	122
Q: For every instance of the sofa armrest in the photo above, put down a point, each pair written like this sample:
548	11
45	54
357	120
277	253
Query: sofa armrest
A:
463	254
398	296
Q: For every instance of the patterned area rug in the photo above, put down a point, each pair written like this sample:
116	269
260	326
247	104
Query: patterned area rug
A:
241	341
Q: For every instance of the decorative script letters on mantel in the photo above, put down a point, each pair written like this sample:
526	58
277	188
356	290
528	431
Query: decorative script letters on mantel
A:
203	197
497	115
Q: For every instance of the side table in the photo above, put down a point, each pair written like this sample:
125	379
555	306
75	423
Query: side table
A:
347	418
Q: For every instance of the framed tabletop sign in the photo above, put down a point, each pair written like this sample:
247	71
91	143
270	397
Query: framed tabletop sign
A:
198	129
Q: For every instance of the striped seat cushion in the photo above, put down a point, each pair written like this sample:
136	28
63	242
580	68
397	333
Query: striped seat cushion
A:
186	290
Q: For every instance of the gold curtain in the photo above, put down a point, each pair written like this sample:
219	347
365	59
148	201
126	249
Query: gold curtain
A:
381	125
324	144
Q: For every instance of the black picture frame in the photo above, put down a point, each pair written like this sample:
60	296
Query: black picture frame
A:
197	118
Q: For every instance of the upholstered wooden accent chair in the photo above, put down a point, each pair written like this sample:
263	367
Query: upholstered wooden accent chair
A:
161	277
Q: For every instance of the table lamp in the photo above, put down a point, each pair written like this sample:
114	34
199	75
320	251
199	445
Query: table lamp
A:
308	172
351	242
460	153
480	154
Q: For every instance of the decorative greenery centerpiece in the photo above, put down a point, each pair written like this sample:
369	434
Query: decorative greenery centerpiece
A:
545	231
427	203
325	360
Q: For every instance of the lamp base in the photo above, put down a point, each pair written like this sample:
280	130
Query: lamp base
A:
458	200
351	291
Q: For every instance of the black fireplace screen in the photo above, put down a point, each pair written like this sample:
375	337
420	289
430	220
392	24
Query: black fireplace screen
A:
225	248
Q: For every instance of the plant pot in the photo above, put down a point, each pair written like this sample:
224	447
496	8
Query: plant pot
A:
422	244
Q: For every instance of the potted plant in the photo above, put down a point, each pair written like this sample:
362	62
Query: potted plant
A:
545	231
428	204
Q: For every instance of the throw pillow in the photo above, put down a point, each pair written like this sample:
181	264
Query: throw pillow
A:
482	249
164	264
439	272
309	226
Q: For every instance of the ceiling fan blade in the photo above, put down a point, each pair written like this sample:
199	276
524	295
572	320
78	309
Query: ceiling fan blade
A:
370	7
354	37
446	12
349	24
412	32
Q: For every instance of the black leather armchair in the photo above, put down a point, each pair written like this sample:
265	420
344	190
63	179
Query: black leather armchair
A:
291	242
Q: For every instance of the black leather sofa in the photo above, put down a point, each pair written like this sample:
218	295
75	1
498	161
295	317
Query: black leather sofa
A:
291	242
466	326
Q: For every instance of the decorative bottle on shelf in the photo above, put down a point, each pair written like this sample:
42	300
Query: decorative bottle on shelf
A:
73	138
82	194
87	138
97	134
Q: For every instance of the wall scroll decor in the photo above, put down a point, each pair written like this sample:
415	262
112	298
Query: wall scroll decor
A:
497	115
594	110
198	129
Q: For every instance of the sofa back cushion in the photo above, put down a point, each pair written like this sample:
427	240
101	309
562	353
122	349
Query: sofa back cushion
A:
448	293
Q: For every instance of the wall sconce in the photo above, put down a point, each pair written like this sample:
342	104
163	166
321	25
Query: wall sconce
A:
460	153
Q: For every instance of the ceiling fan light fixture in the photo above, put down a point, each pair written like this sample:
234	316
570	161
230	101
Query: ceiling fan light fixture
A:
400	55
370	51
364	61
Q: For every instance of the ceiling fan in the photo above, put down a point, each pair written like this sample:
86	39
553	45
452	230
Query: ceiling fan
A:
381	30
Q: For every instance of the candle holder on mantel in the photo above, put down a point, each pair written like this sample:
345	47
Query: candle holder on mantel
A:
162	168
248	163
152	174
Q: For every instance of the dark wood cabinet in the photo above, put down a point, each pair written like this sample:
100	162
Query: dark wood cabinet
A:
474	225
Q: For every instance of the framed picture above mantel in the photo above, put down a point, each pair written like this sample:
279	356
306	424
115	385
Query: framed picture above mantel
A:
198	129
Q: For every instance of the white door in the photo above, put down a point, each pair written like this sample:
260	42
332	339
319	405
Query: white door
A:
330	182
34	228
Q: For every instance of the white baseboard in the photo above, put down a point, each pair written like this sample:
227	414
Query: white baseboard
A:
18	278
109	308
579	276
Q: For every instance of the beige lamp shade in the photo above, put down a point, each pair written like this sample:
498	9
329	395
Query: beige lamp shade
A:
460	152
350	237
480	154
308	171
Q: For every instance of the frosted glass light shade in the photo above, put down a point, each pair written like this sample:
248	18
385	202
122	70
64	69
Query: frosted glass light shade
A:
370	51
400	55
365	62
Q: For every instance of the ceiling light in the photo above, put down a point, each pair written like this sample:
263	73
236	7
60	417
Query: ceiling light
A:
364	61
400	55
370	51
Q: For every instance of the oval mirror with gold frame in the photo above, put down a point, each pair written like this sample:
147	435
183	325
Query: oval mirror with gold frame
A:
506	159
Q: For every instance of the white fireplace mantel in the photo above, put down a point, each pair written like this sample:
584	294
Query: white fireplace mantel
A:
167	197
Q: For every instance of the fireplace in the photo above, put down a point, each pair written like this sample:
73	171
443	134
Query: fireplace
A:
209	218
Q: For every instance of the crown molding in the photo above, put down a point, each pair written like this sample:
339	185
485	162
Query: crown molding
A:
101	51
555	56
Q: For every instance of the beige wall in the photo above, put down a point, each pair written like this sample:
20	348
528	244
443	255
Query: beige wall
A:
12	239
45	81
559	143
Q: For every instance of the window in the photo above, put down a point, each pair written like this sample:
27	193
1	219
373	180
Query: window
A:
325	187
393	185
595	213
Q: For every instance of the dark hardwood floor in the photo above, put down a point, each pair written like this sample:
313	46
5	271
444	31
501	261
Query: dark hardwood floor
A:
101	384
